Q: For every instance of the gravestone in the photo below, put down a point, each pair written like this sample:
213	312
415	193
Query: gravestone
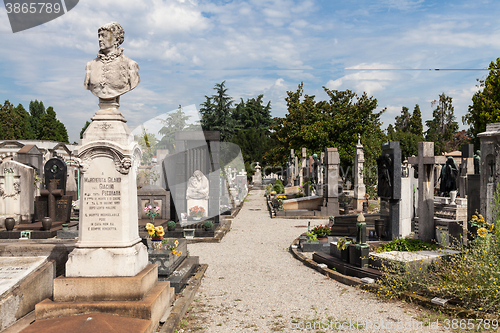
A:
331	178
389	187
197	193
490	167
55	171
320	174
303	166
17	191
53	201
466	168
71	185
195	151
359	186
258	175
426	231
155	196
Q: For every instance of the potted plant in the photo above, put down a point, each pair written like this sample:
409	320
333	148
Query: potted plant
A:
170	225
196	212
152	212
321	231
343	245
311	237
156	234
280	198
208	225
172	248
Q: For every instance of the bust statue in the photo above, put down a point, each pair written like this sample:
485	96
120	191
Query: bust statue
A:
111	74
449	174
197	187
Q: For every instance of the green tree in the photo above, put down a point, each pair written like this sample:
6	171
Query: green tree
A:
443	125
416	126
253	114
216	113
84	128
175	121
26	131
333	123
485	106
49	128
37	110
407	130
11	122
148	143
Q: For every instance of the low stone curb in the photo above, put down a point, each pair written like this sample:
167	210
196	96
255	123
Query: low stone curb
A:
349	280
219	234
181	305
454	310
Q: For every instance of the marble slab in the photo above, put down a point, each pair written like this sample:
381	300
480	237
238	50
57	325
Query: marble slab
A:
15	269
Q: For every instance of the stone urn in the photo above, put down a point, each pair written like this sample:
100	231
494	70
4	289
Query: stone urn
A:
453	196
46	223
10	223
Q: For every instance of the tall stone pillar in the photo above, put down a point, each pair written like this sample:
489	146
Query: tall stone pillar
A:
359	186
331	183
426	229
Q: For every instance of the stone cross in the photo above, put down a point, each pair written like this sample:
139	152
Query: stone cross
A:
426	162
51	193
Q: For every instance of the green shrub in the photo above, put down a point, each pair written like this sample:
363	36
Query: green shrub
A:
406	244
170	224
278	187
208	224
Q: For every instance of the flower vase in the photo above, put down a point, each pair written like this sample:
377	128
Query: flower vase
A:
453	196
46	223
196	218
156	244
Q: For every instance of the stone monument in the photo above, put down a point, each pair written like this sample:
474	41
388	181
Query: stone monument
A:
489	167
197	193
331	178
257	178
108	271
389	188
359	186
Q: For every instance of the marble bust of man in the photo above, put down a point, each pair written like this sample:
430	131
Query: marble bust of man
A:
111	74
197	186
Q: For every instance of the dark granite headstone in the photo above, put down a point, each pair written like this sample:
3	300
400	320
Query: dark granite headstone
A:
55	172
468	151
389	189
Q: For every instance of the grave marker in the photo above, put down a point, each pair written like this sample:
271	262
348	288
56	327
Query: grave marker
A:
426	162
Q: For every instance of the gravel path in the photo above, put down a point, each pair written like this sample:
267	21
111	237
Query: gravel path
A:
253	284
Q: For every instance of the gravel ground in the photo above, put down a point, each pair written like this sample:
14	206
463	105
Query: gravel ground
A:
253	284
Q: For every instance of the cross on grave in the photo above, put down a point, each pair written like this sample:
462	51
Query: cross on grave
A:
426	162
52	193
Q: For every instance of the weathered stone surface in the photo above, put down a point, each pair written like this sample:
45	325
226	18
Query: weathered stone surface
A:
92	322
24	281
17	192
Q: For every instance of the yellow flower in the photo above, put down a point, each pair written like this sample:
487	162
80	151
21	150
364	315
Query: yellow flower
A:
179	253
161	233
174	251
492	226
176	243
482	232
149	226
151	232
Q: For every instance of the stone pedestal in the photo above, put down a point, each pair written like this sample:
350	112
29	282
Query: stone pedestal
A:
108	230
490	167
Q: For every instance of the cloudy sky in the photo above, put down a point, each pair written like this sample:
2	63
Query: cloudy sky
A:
185	47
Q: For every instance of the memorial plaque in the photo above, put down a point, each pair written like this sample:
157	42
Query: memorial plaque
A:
55	172
105	218
15	269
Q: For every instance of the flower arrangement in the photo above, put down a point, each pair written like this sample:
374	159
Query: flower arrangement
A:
152	212
311	237
483	227
76	204
273	193
281	197
321	230
173	249
196	211
156	233
343	242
